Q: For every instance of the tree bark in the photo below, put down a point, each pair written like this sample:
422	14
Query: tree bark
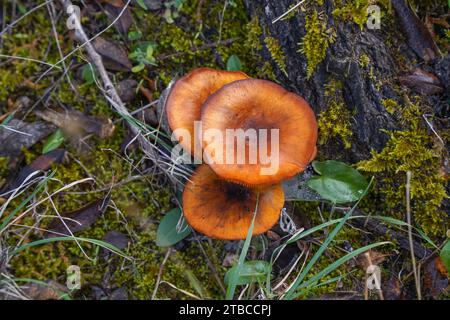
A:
362	93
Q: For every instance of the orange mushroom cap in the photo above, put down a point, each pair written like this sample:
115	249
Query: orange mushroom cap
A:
260	104
188	95
224	210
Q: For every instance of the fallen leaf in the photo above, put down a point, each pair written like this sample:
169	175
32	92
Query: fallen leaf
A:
127	89
391	289
118	294
371	257
115	3
41	163
49	290
78	220
117	239
74	122
422	82
115	57
435	282
17	134
125	20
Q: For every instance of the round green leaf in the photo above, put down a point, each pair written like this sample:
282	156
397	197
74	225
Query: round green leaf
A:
250	271
338	182
169	232
233	63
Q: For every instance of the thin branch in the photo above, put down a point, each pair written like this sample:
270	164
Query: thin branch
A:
111	95
410	237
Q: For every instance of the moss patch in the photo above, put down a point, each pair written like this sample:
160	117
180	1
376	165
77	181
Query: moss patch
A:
334	122
276	52
354	10
316	41
412	149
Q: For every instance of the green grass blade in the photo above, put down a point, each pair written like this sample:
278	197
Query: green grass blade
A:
99	243
25	202
336	265
323	247
234	278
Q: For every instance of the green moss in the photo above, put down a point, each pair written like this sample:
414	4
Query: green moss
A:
177	271
364	60
3	169
412	149
334	122
276	52
390	105
354	10
254	33
316	41
266	72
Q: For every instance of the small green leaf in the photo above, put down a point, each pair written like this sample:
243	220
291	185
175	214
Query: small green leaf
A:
89	74
134	35
22	8
338	182
251	271
138	68
170	231
149	52
53	142
233	63
445	255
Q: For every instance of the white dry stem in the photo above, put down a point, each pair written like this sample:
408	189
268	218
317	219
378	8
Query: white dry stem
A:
68	186
17	191
161	268
181	290
287	12
150	150
12	24
286	222
410	236
10	288
29	59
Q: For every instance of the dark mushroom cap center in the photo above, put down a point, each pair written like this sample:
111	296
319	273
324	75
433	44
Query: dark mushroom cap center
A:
236	192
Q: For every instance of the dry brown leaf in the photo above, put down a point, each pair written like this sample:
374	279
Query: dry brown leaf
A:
422	82
75	123
115	3
78	220
435	281
115	57
52	290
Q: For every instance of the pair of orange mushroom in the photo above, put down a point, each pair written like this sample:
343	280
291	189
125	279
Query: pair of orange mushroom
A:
220	198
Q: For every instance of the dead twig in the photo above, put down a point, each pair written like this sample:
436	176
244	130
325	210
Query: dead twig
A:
161	268
157	156
410	237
